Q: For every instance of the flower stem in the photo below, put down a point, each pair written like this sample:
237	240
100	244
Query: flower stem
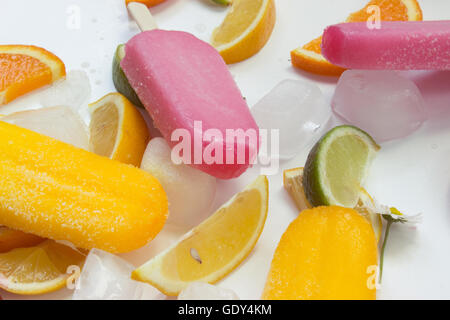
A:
386	235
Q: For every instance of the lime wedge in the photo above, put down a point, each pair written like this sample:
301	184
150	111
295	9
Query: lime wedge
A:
337	166
223	2
120	80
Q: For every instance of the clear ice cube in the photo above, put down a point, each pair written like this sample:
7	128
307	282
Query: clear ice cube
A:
190	192
108	277
205	291
298	110
60	123
383	103
74	91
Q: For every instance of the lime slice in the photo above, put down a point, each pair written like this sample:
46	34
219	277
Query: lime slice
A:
337	166
120	80
222	2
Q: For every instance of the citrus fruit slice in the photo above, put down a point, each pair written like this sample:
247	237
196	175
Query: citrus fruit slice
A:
120	79
223	2
374	218
337	166
214	248
12	239
309	57
117	129
26	68
324	254
39	269
293	183
245	30
148	3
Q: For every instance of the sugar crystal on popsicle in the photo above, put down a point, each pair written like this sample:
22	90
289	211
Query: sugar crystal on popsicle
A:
54	190
416	45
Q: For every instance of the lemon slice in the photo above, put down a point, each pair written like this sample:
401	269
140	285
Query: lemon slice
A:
12	239
293	183
213	249
374	219
117	130
39	269
245	30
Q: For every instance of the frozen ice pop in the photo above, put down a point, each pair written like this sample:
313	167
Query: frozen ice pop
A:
418	45
184	83
57	191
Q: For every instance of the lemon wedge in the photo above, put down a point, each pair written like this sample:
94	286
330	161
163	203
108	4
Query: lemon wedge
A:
245	30
37	270
213	249
117	130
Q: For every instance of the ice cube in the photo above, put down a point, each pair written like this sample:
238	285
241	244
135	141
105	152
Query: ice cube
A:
108	277
74	91
205	291
60	123
190	192
383	103
298	110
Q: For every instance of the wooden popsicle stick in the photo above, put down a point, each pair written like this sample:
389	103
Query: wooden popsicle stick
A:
141	14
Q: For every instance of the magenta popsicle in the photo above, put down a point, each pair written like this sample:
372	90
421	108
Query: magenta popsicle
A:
418	45
183	82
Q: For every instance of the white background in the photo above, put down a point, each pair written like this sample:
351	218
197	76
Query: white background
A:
412	173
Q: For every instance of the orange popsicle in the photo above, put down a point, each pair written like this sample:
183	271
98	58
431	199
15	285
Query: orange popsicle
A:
54	190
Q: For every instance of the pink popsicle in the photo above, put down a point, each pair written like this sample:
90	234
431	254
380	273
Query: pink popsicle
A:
421	45
183	81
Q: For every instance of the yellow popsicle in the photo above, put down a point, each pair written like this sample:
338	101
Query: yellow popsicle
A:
327	253
54	190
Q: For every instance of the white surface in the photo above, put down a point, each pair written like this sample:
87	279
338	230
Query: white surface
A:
412	173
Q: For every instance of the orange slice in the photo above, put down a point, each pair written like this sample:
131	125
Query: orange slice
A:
11	239
309	57
26	68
